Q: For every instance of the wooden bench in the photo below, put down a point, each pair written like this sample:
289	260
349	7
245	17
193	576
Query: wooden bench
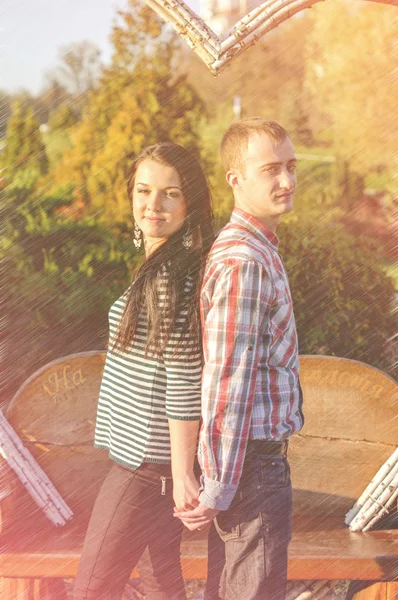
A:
351	429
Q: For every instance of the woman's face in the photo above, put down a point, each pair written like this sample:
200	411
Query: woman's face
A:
159	205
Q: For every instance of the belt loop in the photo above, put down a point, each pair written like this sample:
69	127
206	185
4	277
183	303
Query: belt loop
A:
286	448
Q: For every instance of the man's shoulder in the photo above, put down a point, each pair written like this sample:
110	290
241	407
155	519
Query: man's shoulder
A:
237	244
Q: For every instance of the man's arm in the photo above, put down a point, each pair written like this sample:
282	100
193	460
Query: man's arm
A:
235	312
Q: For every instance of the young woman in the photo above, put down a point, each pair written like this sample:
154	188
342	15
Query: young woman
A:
149	405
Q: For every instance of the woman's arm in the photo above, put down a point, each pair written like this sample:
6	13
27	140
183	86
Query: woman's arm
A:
183	443
183	409
183	363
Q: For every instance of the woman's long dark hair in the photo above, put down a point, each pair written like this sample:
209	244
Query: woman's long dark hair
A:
171	257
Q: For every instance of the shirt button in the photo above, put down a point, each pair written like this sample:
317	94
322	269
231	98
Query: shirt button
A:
250	348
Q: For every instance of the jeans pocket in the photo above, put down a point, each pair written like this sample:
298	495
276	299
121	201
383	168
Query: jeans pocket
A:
227	525
276	515
274	472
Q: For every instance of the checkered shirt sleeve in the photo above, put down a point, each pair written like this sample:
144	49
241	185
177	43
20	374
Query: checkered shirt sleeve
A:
235	304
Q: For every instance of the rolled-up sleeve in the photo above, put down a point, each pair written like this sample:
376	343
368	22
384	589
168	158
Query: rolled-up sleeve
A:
235	306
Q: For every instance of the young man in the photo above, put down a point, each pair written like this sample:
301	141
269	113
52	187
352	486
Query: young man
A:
251	395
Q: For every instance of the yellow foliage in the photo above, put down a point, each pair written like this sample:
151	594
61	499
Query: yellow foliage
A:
351	75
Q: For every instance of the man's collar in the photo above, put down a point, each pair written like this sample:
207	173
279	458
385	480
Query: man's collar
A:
254	225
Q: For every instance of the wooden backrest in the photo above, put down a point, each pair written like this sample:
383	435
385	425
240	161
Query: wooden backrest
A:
54	415
351	428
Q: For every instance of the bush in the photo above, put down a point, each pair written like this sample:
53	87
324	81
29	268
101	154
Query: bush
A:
342	295
62	277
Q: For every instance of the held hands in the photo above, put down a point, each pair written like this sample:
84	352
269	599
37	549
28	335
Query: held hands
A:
198	517
185	492
187	508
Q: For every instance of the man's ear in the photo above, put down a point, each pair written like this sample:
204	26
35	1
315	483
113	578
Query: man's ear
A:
232	178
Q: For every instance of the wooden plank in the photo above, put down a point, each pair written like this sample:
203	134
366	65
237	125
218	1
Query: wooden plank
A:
195	567
41	564
313	554
52	589
342	554
32	589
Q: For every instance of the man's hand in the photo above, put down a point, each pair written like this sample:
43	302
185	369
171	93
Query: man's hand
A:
197	518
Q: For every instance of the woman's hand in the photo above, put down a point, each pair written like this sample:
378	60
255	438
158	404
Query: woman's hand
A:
197	518
185	492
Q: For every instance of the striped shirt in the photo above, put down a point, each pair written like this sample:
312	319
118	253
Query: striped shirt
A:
140	393
250	381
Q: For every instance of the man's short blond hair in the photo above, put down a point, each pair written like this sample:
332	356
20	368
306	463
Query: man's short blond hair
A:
236	139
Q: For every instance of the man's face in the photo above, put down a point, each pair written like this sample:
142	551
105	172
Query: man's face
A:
268	178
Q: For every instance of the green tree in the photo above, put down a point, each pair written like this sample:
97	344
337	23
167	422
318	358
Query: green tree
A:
24	148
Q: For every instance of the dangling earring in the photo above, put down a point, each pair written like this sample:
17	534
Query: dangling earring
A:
187	237
137	241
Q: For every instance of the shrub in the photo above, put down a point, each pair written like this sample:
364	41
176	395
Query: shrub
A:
342	295
62	277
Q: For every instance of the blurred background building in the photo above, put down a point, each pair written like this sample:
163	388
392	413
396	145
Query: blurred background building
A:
222	15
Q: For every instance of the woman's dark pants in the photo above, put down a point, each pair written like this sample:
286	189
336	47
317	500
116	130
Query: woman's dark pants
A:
130	515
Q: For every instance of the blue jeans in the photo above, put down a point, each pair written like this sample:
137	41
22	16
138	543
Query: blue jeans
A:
256	531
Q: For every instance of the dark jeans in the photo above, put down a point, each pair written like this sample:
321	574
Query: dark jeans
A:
256	531
129	516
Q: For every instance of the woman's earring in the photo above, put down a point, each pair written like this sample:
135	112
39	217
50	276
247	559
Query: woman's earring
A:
137	236
187	237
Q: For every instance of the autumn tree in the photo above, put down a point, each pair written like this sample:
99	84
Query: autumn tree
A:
139	101
63	117
350	58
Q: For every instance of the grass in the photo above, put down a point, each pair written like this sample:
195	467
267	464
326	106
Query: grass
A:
385	180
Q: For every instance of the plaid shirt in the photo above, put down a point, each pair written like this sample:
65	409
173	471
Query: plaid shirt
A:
250	381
